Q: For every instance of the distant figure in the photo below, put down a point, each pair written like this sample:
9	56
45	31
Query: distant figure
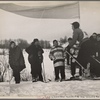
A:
35	59
57	56
16	60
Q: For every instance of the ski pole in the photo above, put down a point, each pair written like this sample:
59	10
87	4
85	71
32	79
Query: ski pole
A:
76	62
96	60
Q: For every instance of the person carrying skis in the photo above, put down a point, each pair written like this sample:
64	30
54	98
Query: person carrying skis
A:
57	56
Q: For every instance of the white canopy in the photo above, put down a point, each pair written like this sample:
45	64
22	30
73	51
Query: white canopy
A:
44	9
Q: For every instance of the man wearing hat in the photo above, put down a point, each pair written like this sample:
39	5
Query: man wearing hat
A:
78	35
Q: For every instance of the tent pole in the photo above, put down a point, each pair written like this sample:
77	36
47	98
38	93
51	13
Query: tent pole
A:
79	10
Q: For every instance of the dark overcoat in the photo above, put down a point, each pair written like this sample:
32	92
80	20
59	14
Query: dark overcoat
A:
35	57
35	54
16	59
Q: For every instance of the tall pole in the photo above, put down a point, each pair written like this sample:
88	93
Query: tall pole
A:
85	33
79	10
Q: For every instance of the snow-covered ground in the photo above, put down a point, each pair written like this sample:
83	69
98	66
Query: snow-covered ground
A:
66	89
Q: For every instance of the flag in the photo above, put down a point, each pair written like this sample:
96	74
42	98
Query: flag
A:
65	11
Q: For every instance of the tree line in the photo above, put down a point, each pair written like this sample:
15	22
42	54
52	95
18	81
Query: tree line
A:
4	44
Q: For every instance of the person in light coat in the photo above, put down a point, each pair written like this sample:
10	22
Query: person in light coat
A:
57	56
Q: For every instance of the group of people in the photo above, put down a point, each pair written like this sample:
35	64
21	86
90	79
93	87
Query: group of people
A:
87	50
35	58
90	53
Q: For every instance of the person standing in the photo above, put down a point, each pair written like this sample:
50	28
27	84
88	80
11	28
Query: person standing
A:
16	60
95	57
73	64
98	54
57	56
74	53
88	48
35	58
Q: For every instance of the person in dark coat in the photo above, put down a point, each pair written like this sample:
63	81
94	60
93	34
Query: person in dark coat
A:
16	60
88	48
95	65
35	58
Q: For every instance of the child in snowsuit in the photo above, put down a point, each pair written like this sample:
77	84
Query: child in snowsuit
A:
57	55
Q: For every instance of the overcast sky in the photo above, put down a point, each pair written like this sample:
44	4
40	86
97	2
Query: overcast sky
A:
15	26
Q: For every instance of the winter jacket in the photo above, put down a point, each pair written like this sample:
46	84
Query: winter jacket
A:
77	36
57	55
88	48
35	54
74	52
16	59
97	54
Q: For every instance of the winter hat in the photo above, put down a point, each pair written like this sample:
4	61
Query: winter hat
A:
98	35
35	40
55	41
69	39
76	24
12	42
